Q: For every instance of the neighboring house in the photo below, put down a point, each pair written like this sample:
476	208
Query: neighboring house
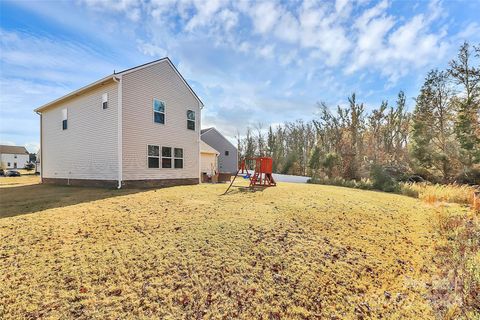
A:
228	158
13	157
208	159
138	127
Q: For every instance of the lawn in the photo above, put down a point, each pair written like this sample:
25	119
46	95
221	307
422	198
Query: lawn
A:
293	251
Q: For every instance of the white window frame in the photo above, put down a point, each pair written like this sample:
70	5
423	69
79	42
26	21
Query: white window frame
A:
178	158
164	111
65	118
171	158
190	120
149	156
105	101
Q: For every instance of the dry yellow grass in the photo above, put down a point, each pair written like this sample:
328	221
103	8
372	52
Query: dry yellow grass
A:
294	251
453	193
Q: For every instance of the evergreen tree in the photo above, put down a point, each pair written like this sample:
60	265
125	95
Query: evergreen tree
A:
467	125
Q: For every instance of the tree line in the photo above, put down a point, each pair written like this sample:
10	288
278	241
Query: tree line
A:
438	141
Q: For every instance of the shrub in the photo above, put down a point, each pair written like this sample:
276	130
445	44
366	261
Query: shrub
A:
471	177
382	180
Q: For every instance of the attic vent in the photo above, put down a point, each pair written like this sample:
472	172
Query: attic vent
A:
105	100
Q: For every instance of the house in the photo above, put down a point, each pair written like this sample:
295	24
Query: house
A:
13	157
208	161
228	158
134	128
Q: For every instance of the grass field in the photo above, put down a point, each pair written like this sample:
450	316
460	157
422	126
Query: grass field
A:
294	251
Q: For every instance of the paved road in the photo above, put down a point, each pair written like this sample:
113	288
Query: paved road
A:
290	178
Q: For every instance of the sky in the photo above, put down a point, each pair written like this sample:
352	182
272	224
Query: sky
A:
251	62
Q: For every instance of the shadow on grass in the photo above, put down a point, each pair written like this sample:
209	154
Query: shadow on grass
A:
243	189
32	198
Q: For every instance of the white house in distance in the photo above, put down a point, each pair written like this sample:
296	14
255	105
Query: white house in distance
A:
138	127
228	153
13	157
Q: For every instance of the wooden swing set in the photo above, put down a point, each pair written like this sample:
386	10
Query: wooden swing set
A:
262	175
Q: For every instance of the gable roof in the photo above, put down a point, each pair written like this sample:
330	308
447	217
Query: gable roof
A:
212	129
206	148
113	77
12	150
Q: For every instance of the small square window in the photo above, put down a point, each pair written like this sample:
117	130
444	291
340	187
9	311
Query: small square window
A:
158	106
153	162
178	163
178	153
159	117
227	153
166	152
153	151
166	162
153	156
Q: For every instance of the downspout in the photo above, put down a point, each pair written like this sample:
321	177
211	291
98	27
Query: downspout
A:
199	138
119	130
41	147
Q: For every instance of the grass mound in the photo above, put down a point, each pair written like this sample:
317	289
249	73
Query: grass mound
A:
293	251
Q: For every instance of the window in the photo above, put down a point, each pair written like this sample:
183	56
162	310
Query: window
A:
158	111
64	119
15	156
105	100
178	155
227	153
8	164
153	156
166	157
190	119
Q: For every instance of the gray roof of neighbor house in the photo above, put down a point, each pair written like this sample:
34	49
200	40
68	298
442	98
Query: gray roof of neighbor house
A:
13	150
203	131
111	77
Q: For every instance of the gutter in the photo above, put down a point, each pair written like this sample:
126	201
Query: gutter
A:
41	147
119	130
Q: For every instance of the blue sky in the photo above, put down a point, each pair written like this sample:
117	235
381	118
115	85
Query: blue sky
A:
250	62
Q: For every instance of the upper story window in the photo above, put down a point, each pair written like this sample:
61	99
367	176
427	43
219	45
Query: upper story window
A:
227	152
190	119
105	100
15	156
166	157
64	119
178	155
158	111
153	156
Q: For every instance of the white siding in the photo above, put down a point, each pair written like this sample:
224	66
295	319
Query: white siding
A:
21	160
208	163
88	148
139	88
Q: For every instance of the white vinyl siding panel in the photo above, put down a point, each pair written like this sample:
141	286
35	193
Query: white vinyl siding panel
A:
88	148
208	163
139	88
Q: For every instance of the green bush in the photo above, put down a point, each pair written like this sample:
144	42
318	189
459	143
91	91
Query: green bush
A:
381	180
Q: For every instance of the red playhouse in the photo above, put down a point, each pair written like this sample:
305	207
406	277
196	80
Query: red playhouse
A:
262	175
